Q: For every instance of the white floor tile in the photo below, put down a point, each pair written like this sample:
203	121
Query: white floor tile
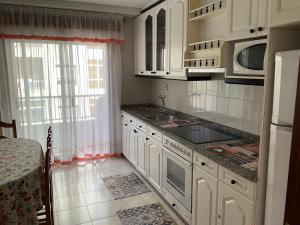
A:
108	221
73	216
102	210
69	202
66	190
98	196
92	185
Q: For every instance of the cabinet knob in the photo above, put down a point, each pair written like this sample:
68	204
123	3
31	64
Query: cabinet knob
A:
233	182
167	72
140	126
153	134
142	71
252	31
203	164
125	124
134	131
147	139
173	204
219	216
259	28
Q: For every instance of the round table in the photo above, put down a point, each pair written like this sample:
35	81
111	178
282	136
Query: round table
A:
21	181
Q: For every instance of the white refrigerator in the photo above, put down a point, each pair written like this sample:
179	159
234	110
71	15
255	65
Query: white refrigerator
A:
285	89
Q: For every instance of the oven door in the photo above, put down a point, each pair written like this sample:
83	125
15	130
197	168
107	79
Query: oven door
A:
177	177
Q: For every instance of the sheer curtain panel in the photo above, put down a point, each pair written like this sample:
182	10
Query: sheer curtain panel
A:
64	70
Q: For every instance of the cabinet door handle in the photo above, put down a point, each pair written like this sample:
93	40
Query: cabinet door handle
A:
134	131
130	121
142	71
153	134
140	126
203	164
173	204
260	28
233	181
147	139
125	124
252	31
167	72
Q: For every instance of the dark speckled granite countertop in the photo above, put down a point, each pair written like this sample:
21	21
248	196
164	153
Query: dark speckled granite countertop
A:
148	112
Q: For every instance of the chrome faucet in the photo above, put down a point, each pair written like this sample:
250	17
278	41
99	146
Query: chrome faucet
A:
162	108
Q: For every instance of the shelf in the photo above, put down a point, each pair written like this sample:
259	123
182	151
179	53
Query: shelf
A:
207	11
204	46
207	70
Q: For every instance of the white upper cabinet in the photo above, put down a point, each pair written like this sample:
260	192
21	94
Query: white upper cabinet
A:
205	189
246	18
177	36
284	12
139	45
160	39
234	208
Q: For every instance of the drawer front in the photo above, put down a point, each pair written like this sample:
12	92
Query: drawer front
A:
177	206
131	120
206	164
124	116
238	183
141	126
154	134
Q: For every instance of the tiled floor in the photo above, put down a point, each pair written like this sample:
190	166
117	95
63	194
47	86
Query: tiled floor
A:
80	196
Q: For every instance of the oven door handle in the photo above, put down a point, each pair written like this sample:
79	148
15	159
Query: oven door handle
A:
167	151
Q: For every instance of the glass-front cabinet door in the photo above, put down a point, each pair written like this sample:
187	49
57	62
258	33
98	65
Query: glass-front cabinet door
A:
149	44
161	45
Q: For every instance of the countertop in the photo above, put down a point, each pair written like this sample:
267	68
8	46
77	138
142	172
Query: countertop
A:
248	143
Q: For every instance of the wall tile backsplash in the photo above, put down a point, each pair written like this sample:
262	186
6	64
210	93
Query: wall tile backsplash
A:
237	106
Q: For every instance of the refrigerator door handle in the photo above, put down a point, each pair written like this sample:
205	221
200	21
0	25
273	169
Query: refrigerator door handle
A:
282	125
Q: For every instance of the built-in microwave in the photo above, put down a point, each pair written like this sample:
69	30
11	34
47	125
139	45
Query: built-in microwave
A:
248	58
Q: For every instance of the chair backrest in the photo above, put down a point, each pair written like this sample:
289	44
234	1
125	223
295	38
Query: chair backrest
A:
9	125
48	180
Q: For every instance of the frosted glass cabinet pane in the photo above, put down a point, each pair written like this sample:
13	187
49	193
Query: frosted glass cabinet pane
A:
149	43
161	40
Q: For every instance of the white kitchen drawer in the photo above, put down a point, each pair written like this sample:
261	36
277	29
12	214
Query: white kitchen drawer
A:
124	116
131	120
238	183
141	126
177	206
154	134
206	164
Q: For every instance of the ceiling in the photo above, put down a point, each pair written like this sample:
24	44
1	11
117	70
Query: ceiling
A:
124	3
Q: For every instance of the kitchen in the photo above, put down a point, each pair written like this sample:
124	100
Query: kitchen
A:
202	114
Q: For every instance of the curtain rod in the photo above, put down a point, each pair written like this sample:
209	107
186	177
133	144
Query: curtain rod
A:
77	7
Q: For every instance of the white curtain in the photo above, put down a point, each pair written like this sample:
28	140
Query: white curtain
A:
72	86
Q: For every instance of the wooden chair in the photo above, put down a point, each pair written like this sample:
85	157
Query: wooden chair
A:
45	216
9	125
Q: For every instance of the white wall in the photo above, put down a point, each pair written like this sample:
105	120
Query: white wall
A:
237	106
134	90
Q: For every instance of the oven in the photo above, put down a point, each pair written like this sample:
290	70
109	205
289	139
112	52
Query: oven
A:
177	177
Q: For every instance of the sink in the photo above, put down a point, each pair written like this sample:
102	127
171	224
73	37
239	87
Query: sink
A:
161	117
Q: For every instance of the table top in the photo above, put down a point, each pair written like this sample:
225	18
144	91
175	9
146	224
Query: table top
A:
18	158
21	181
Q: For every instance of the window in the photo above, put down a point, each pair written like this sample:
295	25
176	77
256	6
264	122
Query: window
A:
58	81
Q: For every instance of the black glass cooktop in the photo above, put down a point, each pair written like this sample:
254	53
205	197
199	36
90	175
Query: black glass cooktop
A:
200	134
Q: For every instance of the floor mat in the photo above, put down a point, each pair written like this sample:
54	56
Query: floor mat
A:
122	186
153	214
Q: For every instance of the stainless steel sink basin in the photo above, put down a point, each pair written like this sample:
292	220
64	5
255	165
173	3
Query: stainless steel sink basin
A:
160	117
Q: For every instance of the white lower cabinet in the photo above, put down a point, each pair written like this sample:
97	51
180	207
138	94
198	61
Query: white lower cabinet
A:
205	189
142	154
125	141
155	163
132	145
234	208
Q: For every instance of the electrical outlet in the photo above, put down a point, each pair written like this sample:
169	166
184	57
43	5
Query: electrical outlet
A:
165	86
